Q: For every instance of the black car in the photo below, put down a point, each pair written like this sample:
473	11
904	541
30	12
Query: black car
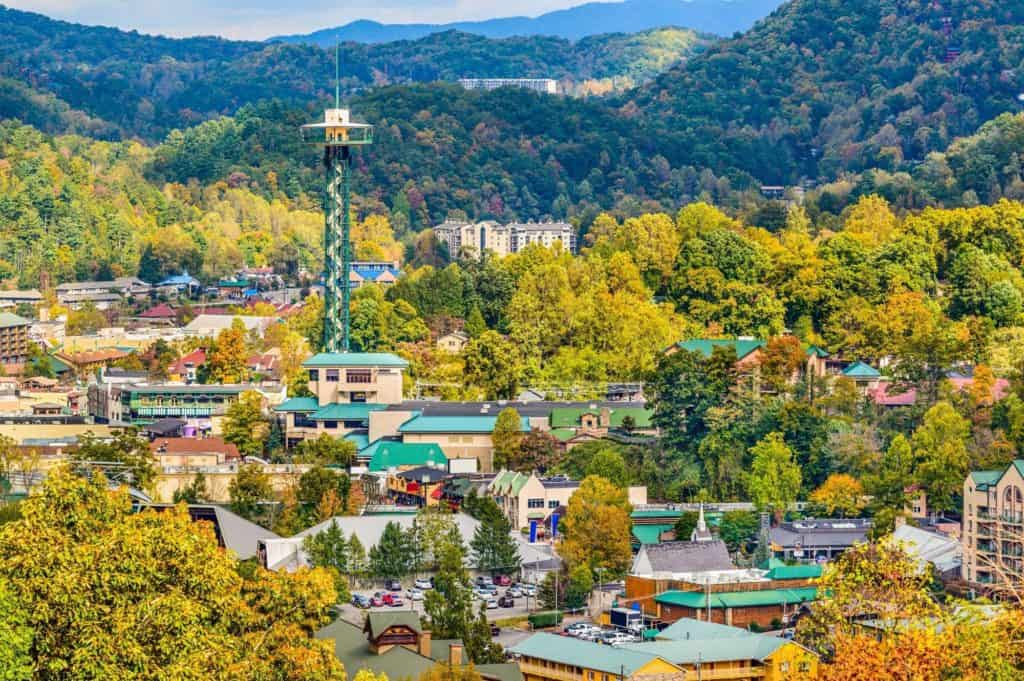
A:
360	601
506	602
495	630
393	585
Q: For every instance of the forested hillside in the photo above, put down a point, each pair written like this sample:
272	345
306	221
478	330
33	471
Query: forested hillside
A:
109	83
823	86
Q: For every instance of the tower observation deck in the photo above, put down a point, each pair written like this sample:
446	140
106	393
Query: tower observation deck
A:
337	134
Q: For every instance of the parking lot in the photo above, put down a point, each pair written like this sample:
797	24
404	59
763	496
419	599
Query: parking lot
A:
522	606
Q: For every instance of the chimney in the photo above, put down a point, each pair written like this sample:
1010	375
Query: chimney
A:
455	654
606	417
425	643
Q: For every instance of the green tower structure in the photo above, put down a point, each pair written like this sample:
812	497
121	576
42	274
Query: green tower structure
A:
337	134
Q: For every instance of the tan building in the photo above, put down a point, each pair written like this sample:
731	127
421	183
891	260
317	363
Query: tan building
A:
218	479
14	343
347	388
460	437
453	342
993	527
528	497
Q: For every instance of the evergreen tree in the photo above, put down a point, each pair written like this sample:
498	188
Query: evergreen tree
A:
328	549
355	557
494	548
449	604
475	324
194	493
393	556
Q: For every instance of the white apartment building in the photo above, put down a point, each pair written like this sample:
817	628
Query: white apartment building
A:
466	239
545	86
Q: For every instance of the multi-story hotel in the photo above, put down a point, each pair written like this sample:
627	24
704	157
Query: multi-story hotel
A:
467	239
13	342
546	86
993	531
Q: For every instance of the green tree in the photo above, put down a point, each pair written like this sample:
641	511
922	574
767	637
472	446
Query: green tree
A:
249	489
329	549
940	447
356	558
15	638
245	425
325	450
393	556
494	549
774	478
682	390
125	448
433	528
507	437
686	524
475	324
492	364
449	605
609	464
888	484
738	528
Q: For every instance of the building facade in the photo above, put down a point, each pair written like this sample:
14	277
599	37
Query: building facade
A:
993	526
14	342
546	86
466	239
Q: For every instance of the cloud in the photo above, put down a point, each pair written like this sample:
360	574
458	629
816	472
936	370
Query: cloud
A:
258	19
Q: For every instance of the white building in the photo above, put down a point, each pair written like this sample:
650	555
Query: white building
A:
546	86
210	325
466	239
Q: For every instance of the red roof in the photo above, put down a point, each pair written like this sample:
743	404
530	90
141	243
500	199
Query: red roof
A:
195	358
161	311
881	397
193	445
1000	389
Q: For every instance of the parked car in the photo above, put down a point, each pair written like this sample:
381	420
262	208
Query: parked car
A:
617	638
393	585
423	584
376	601
414	595
484	581
495	630
577	628
361	601
527	589
492	604
506	601
503	580
393	599
592	634
513	592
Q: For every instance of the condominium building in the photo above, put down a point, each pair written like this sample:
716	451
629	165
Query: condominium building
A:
466	239
993	531
14	343
547	86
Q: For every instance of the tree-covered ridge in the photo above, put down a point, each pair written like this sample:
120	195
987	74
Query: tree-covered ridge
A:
139	85
823	85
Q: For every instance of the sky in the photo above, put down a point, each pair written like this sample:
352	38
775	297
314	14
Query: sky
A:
259	19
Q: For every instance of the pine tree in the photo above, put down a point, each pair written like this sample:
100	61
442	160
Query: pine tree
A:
328	549
356	557
494	549
449	604
475	324
392	557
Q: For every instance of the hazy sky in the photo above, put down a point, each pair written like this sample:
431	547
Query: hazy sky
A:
258	19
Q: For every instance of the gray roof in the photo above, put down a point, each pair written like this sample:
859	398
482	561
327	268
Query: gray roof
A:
754	647
27	295
369	528
8	319
682	556
811	533
237	534
429	472
941	551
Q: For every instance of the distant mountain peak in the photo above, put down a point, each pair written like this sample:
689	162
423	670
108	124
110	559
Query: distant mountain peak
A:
720	17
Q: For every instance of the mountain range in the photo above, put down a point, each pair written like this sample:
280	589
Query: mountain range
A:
718	17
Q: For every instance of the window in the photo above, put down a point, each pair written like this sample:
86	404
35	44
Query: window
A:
331	425
784	667
359	376
303	421
804	666
314	375
332	375
534	503
552	503
357	398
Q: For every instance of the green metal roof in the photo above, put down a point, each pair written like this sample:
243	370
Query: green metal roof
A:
739	599
817	351
351	647
385	454
650	534
8	319
752	647
706	346
656	514
378	622
456	424
572	651
569	417
355	359
232	283
189	389
361	440
562	434
300	404
794	572
689	629
353	411
861	370
982	479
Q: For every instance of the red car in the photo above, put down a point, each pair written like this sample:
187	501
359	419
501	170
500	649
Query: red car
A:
394	600
376	602
503	580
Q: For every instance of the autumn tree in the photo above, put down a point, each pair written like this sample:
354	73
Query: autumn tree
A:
538	451
249	489
507	437
226	360
325	450
492	364
774	478
781	360
940	448
180	609
16	637
596	528
127	449
840	494
245	425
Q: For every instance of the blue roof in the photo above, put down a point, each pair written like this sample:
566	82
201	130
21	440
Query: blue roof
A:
682	652
861	370
354	411
456	424
689	629
180	279
306	404
355	359
361	440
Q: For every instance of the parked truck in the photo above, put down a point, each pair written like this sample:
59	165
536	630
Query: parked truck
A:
627	620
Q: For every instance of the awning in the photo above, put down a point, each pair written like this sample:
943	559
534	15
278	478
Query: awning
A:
413	486
437	493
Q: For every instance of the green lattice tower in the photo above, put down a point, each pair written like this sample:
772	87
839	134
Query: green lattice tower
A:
338	134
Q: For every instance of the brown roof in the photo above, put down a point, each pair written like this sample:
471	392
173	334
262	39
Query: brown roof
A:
161	311
192	445
105	355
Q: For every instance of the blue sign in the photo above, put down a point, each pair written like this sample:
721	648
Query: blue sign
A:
554	525
533	531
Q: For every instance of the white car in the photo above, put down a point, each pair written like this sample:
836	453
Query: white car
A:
527	589
618	639
492	604
423	584
414	595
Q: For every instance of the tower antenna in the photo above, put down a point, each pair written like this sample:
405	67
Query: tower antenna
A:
337	74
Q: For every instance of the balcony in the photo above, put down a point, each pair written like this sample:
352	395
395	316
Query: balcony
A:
545	672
